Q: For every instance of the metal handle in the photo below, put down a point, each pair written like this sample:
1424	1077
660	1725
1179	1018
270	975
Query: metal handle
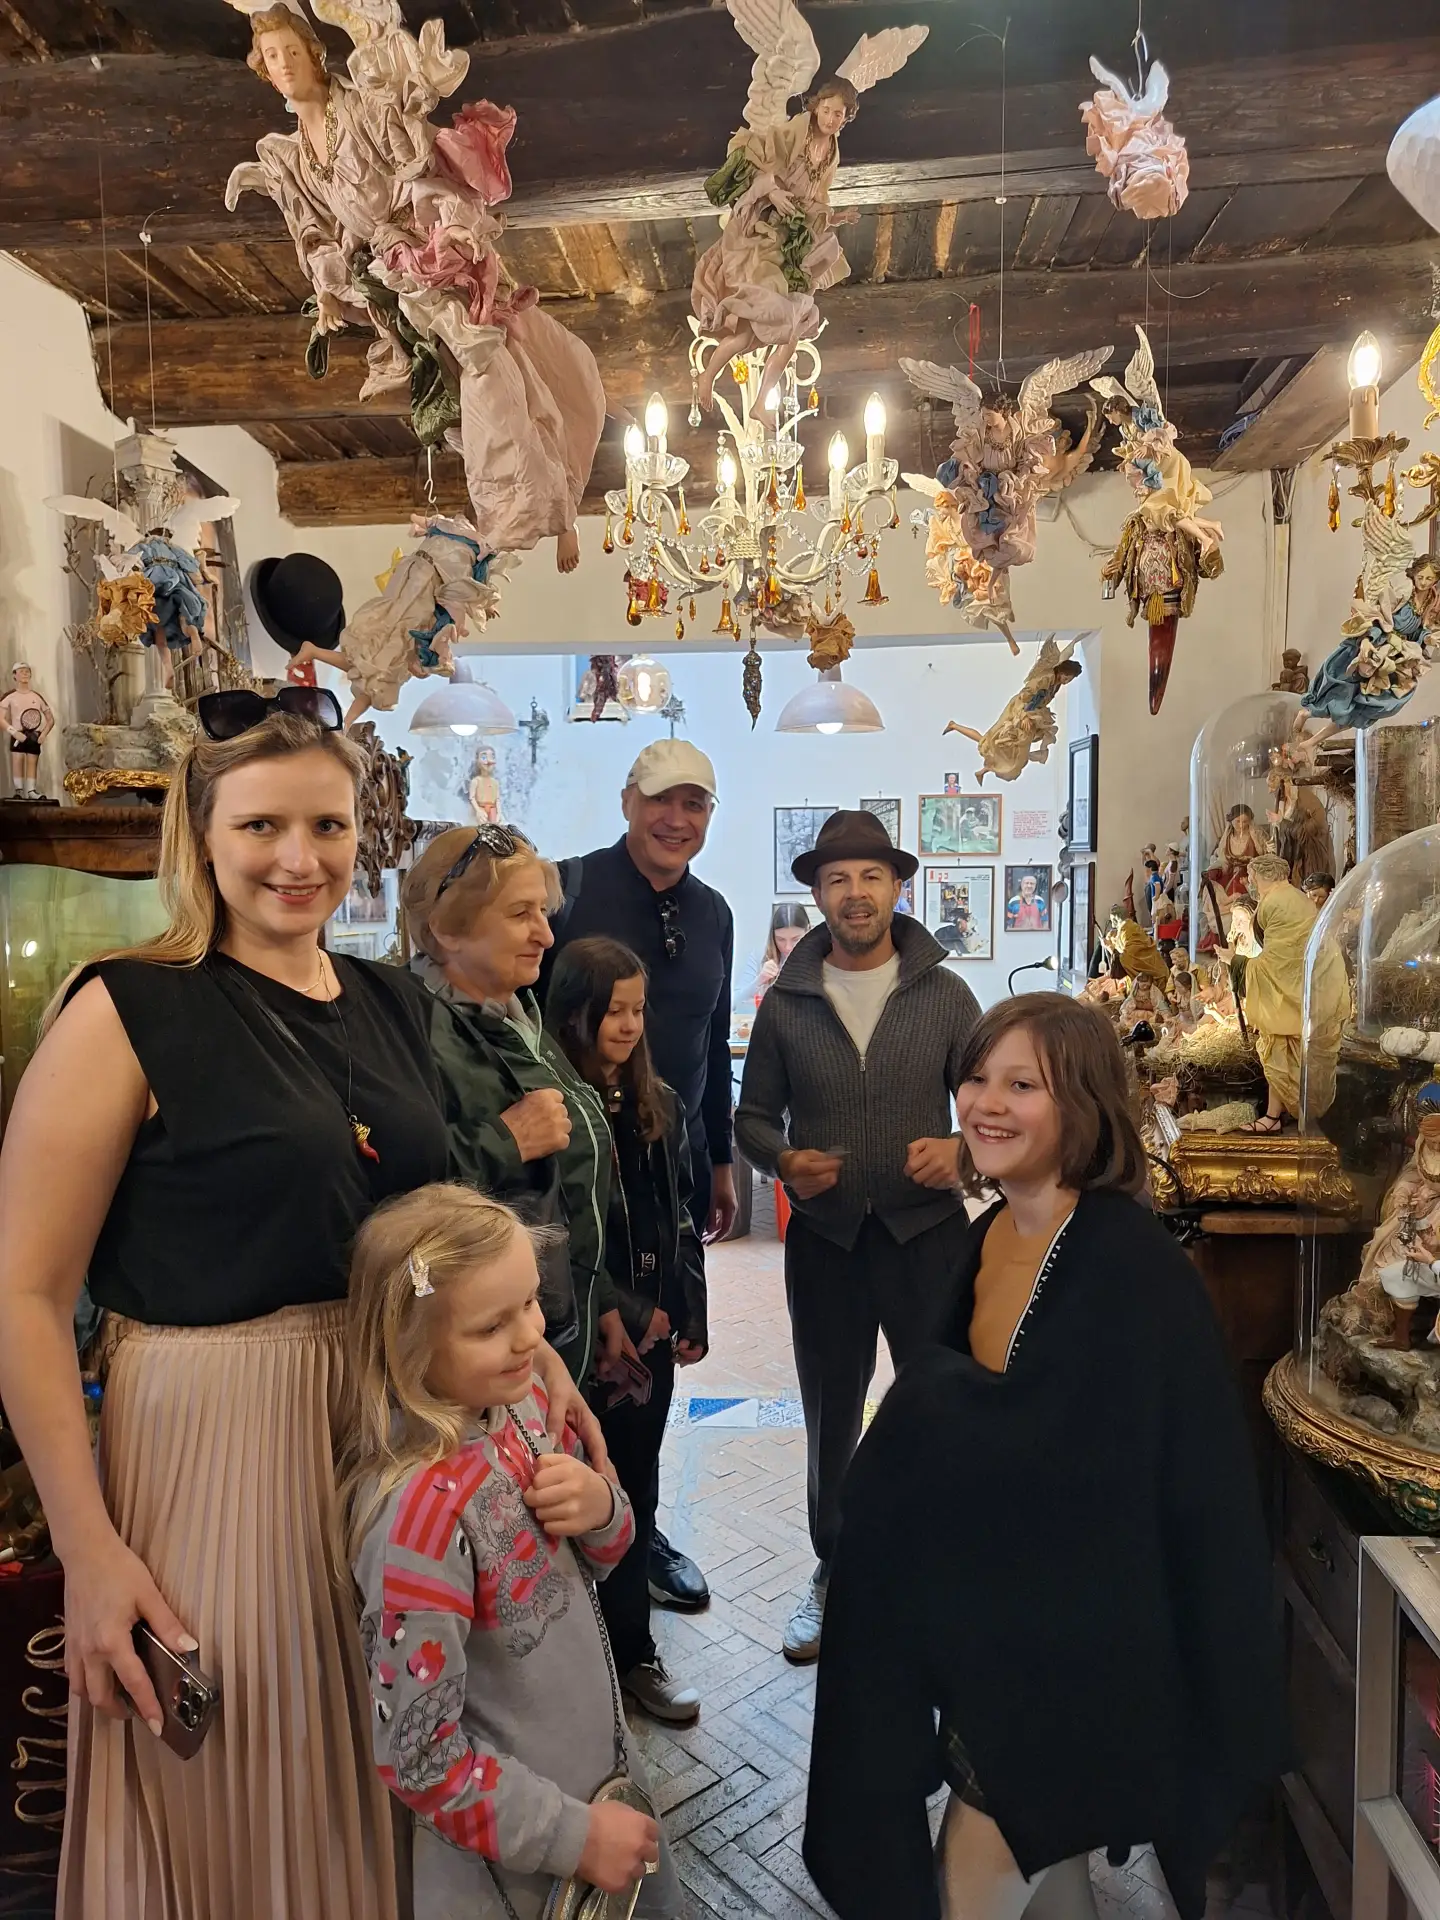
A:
1321	1554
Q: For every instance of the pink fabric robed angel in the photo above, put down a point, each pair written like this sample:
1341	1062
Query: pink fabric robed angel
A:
1135	146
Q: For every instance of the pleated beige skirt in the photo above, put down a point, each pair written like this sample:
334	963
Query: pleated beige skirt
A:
216	1461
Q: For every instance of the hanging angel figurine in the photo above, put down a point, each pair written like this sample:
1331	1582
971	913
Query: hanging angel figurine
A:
755	288
427	601
1004	456
1135	146
1165	548
164	558
1025	732
1391	638
393	222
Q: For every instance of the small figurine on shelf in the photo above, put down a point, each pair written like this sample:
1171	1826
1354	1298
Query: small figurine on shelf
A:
1294	674
1401	1263
1025	732
29	721
1132	949
1165	548
1238	846
755	288
483	791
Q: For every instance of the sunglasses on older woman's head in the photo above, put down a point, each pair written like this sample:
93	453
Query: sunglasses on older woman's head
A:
501	843
226	715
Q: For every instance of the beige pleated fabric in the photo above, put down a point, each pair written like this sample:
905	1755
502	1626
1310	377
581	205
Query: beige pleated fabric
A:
216	1461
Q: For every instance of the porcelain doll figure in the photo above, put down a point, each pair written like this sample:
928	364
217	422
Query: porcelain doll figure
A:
755	288
1003	458
393	223
1166	549
1135	146
1025	732
1391	637
1398	1268
428	601
1238	845
29	721
483	791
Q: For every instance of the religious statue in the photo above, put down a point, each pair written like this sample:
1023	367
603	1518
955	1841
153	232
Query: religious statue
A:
427	601
1134	952
483	791
1294	674
393	222
755	288
1401	1263
1025	732
29	721
1299	830
1004	457
1165	548
1238	845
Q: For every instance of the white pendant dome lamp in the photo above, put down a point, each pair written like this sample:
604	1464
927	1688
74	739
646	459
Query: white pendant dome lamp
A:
464	706
830	705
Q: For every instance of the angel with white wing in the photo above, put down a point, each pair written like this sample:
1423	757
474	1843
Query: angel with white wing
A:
1166	548
1134	145
393	221
1026	730
1004	457
755	288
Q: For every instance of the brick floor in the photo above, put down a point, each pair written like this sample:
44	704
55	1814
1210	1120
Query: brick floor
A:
732	1789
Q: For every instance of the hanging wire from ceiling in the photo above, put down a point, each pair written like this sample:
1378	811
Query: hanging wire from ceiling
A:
1001	200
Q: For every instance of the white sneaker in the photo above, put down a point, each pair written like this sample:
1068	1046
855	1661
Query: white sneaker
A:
655	1691
802	1637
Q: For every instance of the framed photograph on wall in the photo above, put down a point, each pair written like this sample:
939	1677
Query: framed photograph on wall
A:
906	902
796	831
887	811
1084	794
1082	917
960	910
1027	899
956	823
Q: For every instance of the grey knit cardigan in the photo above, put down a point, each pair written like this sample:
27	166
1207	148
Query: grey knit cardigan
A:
802	1065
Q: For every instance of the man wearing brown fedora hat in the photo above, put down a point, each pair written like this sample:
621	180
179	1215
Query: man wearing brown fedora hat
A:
847	1098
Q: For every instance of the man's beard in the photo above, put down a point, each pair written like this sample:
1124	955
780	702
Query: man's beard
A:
857	937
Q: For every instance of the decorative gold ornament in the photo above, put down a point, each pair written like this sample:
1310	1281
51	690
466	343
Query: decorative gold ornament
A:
1405	1478
1259	1170
84	783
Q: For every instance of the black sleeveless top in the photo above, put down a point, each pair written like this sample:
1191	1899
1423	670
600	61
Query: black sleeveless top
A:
243	1193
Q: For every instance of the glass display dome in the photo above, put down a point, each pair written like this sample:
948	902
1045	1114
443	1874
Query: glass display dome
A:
1397	771
1367	1360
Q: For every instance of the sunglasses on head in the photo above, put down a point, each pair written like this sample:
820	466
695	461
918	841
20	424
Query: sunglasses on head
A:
226	715
501	843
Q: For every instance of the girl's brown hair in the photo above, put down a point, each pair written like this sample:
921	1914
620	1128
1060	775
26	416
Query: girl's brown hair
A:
391	1423
585	976
186	879
1084	1072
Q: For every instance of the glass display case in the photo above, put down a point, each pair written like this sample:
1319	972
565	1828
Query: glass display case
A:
1397	771
1362	1388
52	919
1232	795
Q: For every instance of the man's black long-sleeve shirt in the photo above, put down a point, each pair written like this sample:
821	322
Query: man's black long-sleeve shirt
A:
687	1013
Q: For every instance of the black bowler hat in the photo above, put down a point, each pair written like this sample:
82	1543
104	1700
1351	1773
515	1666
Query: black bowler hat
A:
852	835
298	598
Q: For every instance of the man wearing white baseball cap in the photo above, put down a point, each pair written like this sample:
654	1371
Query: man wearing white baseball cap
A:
642	892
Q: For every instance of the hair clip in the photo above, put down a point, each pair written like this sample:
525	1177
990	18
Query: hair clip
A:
420	1277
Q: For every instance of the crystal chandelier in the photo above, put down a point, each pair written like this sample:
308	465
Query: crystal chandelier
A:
772	555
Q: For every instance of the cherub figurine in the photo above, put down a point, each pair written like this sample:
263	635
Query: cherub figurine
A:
1025	732
1165	548
26	716
1391	637
755	288
426	602
1004	456
1294	674
393	224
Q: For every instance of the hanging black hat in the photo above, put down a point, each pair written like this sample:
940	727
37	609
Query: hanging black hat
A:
298	598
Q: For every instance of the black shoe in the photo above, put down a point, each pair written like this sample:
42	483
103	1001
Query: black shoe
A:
675	1580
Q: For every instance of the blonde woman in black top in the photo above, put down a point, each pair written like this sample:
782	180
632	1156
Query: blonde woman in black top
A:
209	1119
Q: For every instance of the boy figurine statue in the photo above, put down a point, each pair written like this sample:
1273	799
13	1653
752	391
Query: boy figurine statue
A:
27	717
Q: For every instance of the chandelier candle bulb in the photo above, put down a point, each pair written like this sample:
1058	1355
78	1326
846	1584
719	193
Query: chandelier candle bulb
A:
657	422
839	461
1363	373
874	439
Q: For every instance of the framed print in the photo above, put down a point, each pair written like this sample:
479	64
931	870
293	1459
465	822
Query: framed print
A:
796	831
906	902
1084	793
952	783
1082	917
887	811
1027	899
960	910
952	823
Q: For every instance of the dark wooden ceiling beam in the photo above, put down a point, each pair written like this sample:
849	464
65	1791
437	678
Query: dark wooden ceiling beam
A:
213	372
173	127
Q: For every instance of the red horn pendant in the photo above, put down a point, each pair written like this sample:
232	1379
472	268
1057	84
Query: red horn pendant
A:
1162	652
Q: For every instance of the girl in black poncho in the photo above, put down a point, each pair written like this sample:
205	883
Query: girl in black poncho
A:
1052	1538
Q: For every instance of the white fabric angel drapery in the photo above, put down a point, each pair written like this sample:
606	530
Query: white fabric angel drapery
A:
393	222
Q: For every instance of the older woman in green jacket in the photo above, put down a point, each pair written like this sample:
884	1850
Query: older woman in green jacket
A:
523	1124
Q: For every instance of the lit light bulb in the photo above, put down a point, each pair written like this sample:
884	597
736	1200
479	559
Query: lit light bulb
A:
657	417
634	442
464	732
1363	367
829	726
874	415
729	472
839	453
30	949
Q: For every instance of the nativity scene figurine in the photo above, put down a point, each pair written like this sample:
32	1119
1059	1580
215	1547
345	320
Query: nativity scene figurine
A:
394	223
1166	549
755	289
1004	457
1026	730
